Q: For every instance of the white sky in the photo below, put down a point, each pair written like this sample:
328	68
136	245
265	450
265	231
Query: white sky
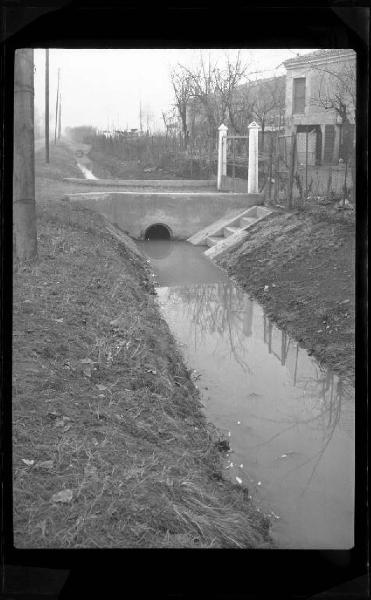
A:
104	87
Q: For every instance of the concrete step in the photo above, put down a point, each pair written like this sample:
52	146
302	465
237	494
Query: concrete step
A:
246	221
211	240
227	231
231	218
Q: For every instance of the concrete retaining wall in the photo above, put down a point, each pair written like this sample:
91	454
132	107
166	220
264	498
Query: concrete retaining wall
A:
234	184
141	183
184	213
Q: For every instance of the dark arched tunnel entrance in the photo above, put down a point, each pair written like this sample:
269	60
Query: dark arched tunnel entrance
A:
157	232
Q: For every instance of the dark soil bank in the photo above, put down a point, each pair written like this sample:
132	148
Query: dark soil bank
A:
301	268
110	446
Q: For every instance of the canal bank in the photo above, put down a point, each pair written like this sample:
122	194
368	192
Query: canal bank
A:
248	419
110	444
290	424
300	266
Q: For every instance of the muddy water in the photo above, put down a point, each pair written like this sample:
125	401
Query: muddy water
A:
290	424
86	172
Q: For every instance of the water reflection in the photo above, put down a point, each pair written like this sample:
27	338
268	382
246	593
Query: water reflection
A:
221	310
85	171
291	423
156	249
180	263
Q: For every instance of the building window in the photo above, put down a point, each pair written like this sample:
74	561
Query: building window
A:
299	95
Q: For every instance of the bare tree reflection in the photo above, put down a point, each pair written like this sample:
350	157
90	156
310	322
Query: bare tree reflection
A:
333	413
220	309
268	329
225	312
324	396
324	390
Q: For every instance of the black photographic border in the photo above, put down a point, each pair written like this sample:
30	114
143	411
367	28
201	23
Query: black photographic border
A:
110	573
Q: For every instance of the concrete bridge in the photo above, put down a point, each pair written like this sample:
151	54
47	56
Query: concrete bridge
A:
173	209
173	214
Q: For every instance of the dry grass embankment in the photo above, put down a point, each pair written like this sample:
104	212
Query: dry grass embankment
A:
110	446
108	166
169	166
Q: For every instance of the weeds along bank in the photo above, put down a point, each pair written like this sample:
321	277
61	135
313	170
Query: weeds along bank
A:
111	166
301	268
110	446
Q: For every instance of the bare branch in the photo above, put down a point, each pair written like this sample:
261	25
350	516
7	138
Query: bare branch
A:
337	89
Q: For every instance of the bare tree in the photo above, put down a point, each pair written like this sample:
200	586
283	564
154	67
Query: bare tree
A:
337	90
241	110
166	119
24	169
227	81
171	121
203	91
148	116
211	88
261	100
182	87
268	101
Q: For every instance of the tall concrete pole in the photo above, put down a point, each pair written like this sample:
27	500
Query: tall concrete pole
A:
222	154
24	214
47	105
253	173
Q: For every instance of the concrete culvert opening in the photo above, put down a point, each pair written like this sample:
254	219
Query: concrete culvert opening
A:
157	232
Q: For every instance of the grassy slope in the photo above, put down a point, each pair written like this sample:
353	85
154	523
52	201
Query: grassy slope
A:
109	166
103	406
307	260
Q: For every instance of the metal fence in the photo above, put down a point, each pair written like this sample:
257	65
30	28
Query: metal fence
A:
236	149
287	174
294	177
290	170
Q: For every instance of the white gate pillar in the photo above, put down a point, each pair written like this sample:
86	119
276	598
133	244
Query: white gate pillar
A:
222	154
253	173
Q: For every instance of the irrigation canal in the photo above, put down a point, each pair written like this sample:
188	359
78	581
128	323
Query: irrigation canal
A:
290	423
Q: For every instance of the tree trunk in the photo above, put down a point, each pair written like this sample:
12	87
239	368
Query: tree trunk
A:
183	116
24	214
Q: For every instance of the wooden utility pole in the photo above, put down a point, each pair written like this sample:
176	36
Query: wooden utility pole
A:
60	117
24	214
56	109
47	105
306	164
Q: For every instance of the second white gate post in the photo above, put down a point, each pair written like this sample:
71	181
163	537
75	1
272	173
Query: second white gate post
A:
253	173
222	154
